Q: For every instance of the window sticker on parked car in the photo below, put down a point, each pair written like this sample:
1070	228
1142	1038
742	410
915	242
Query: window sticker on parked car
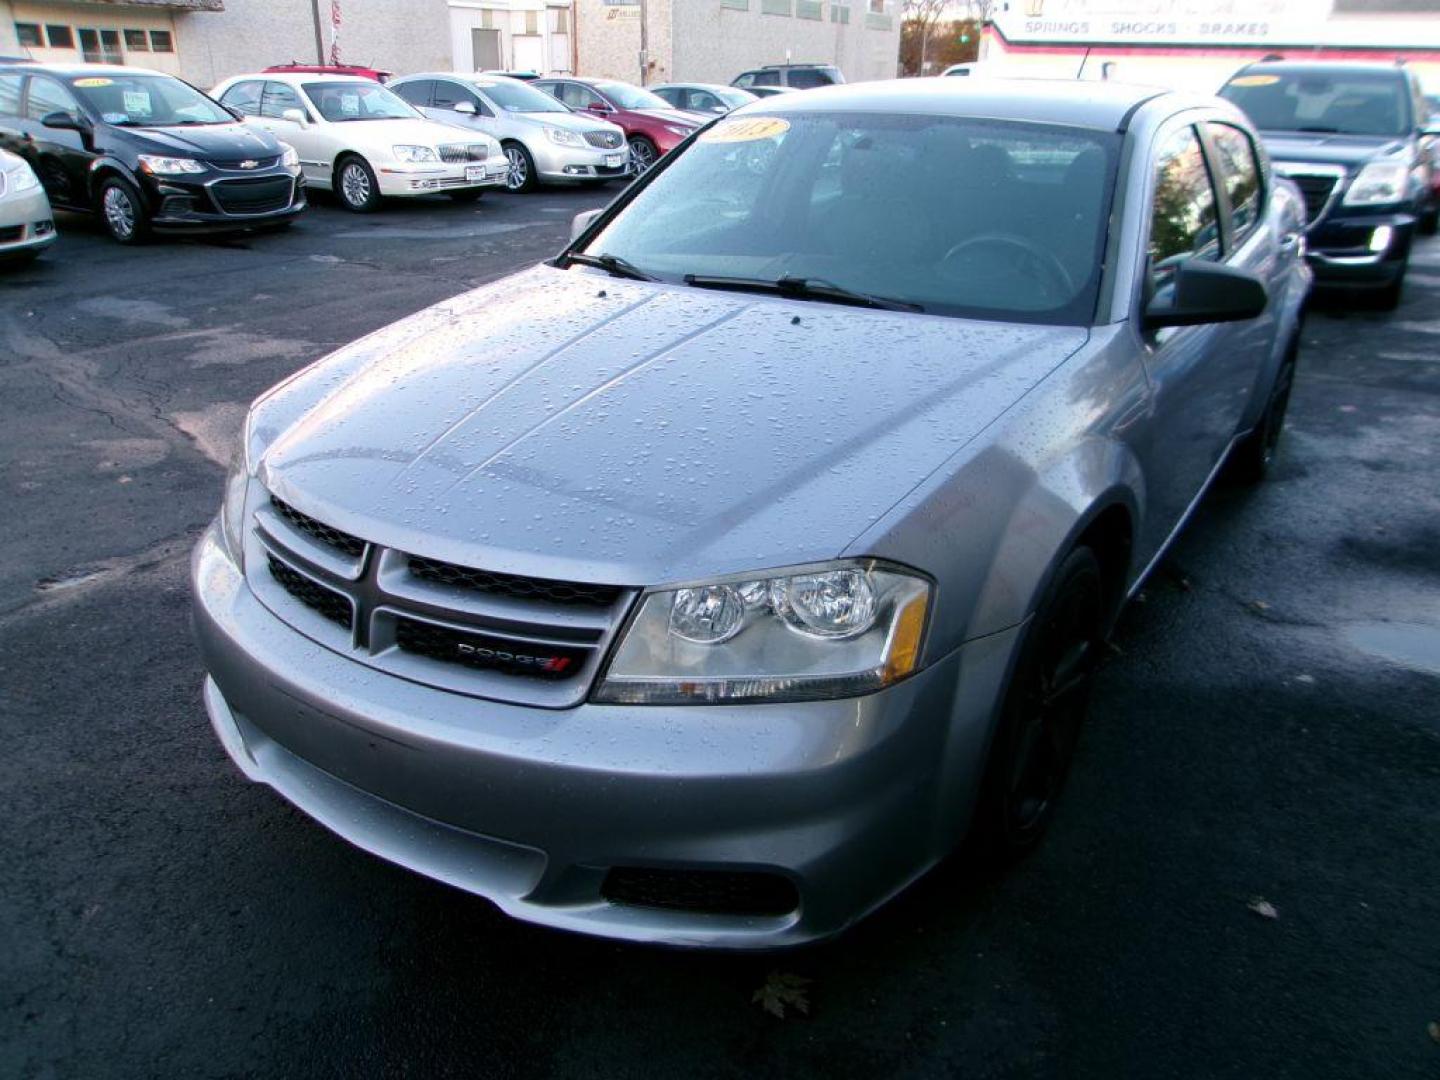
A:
1255	80
87	83
137	103
747	129
114	117
350	104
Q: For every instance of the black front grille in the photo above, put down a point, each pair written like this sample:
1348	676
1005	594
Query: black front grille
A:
261	195
508	655
1316	190
455	153
570	593
715	892
327	602
342	542
605	140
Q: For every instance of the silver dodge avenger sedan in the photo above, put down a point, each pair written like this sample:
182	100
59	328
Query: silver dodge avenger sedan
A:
711	582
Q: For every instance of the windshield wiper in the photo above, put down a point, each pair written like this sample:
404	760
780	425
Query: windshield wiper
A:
801	288
1318	129
611	264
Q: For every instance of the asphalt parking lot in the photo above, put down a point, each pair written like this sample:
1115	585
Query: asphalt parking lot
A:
1244	880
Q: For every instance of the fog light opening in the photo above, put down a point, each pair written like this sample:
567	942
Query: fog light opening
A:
1380	238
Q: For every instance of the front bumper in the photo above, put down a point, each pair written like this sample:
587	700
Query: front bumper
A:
554	162
427	178
1360	249
225	202
847	800
26	224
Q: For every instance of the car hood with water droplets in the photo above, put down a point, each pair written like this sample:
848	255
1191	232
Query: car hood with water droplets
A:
567	424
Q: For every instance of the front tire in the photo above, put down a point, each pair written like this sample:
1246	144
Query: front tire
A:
122	211
356	186
520	169
643	154
1044	709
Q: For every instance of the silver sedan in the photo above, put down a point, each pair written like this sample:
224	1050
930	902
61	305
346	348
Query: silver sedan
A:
544	141
709	583
27	226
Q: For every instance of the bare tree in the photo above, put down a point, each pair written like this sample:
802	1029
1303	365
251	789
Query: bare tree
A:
924	15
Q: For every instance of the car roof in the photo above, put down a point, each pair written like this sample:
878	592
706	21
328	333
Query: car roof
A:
694	86
1092	104
297	78
70	71
471	77
1325	67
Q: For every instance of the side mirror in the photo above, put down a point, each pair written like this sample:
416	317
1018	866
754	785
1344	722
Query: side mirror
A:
295	116
1431	128
583	220
599	107
466	108
61	120
719	110
1206	292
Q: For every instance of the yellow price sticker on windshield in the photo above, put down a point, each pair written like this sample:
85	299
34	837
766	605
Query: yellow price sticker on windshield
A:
1255	80
87	83
746	129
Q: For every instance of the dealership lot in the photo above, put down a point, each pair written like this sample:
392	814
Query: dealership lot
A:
1265	739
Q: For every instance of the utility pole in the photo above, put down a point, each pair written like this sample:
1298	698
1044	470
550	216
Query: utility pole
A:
644	43
319	37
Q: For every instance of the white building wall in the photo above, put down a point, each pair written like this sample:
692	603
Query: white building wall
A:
253	34
715	40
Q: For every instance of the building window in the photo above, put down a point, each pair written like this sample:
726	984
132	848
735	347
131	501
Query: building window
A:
160	41
100	46
532	22
738	5
877	7
562	20
135	41
28	34
808	9
774	7
60	37
839	12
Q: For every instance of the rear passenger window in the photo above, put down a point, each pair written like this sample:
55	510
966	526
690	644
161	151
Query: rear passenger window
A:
1240	173
1184	223
244	97
767	78
9	95
417	93
47	96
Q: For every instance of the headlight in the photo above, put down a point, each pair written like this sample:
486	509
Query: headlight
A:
676	129
169	166
562	137
232	510
288	157
414	154
1378	183
22	179
811	632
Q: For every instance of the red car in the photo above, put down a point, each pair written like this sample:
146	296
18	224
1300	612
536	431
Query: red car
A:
377	74
651	125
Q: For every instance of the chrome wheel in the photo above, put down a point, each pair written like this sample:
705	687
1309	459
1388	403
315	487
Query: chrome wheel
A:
119	212
355	185
517	175
642	155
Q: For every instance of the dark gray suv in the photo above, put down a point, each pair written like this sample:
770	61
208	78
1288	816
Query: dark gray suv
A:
1357	139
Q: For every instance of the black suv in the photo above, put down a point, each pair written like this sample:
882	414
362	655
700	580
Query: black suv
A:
145	151
1358	140
800	76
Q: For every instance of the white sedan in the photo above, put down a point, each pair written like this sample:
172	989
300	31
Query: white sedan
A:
361	141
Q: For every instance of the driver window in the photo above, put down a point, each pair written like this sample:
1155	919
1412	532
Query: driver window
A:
703	100
279	97
583	96
47	96
1184	224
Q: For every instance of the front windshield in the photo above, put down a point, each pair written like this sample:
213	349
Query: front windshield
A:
339	102
1353	103
734	97
626	96
147	101
959	216
517	97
